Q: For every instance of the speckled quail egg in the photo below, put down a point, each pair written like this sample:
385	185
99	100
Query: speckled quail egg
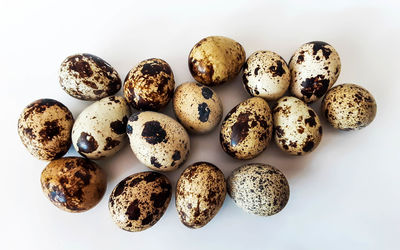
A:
349	107
247	129
44	128
197	107
266	74
314	67
297	127
88	77
157	140
140	200
215	60
258	189
73	184
150	85
100	129
200	193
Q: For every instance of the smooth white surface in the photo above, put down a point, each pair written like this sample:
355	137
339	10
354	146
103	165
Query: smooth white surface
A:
344	195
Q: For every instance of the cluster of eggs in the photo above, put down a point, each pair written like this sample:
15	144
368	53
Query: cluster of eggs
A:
47	129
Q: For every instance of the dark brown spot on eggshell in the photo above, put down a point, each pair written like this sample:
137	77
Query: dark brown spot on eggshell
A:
86	143
153	133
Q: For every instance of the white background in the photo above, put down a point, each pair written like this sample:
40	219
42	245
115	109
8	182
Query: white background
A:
344	195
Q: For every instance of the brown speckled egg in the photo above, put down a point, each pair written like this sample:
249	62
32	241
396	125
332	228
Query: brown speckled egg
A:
266	74
247	129
258	189
73	184
150	85
158	141
297	127
88	77
314	68
349	107
45	129
200	193
197	107
140	200
100	129
215	60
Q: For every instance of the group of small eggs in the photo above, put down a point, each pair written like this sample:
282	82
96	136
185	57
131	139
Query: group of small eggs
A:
47	129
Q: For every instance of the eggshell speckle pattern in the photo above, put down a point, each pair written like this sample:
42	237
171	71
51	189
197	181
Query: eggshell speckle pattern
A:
258	189
197	107
158	141
73	184
314	67
44	128
349	107
88	77
266	74
150	85
140	200
215	60
100	129
200	193
298	129
247	129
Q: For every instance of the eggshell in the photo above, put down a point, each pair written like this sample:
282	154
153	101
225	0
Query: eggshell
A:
200	193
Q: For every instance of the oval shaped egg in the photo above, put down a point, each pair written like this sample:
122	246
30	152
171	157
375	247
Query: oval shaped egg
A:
200	193
314	67
73	184
197	107
88	77
140	200
150	85
349	107
258	189
158	141
215	60
266	74
297	127
247	129
44	128
100	129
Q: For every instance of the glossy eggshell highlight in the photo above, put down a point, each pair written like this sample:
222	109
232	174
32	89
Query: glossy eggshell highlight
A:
73	184
140	200
349	107
88	77
100	129
149	85
215	60
314	67
200	193
297	127
258	189
44	128
158	141
247	129
197	107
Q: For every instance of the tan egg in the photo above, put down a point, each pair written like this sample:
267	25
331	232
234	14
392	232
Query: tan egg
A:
140	200
200	193
88	77
149	85
100	129
158	141
349	107
73	184
297	127
215	60
44	128
247	129
266	74
197	107
258	189
314	68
